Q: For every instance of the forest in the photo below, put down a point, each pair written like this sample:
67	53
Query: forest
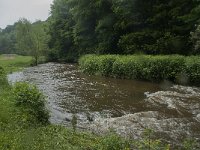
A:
77	27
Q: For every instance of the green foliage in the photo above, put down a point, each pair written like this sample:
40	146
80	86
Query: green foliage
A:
190	144
3	79
25	38
138	41
175	68
192	69
7	40
49	137
149	143
123	27
31	102
195	37
31	39
113	142
17	133
105	64
76	28
12	63
7	108
88	64
74	122
52	56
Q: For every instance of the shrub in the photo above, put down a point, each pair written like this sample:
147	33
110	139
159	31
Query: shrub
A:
88	64
3	79
32	103
52	55
113	142
128	67
143	41
105	64
157	68
175	68
192	69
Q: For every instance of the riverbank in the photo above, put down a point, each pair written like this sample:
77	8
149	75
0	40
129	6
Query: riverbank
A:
12	63
175	68
16	133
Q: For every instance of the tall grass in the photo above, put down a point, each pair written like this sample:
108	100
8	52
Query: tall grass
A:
14	63
175	68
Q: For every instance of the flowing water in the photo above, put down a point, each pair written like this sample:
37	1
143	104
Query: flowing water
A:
126	106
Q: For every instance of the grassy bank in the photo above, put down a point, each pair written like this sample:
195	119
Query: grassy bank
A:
21	126
176	68
14	62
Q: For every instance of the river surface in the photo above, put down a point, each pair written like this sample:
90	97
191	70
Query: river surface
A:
126	106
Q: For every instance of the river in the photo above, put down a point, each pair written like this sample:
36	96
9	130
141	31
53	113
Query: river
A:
125	106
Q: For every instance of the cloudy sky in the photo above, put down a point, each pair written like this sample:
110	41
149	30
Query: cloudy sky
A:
12	10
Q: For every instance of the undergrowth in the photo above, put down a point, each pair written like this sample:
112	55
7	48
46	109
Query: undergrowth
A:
175	68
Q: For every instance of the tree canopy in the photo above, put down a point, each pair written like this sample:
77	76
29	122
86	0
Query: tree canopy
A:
123	26
77	27
31	38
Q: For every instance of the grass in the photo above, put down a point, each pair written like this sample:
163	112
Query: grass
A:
15	62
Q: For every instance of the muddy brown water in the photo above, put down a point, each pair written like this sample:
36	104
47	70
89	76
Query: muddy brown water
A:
126	106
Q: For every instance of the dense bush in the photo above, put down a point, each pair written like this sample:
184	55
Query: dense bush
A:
31	102
175	68
89	64
192	69
112	142
3	80
2	74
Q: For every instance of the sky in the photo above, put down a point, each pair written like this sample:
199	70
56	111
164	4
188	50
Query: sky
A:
12	10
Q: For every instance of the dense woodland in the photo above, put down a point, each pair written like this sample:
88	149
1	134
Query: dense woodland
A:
77	27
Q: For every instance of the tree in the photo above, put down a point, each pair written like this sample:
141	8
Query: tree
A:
60	30
84	15
156	27
78	27
7	40
195	37
31	39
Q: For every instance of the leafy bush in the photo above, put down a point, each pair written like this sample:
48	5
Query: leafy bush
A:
32	103
105	64
112	142
175	68
157	68
89	64
3	80
127	67
196	39
147	42
52	55
192	69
